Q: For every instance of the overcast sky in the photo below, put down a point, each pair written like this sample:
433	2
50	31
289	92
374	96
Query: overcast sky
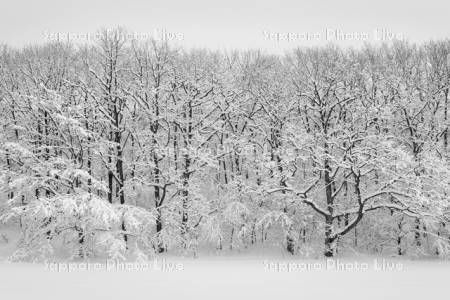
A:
229	24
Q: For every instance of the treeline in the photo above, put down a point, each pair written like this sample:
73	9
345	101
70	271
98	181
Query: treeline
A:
128	148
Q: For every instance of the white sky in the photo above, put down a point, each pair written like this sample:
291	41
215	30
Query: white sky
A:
230	23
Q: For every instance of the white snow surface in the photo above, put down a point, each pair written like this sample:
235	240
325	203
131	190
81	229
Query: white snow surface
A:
234	276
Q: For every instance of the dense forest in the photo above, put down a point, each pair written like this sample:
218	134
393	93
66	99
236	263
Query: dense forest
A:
126	148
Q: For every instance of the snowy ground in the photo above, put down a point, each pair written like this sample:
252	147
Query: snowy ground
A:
229	277
252	274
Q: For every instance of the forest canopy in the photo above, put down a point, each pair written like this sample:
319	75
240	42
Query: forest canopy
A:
127	148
